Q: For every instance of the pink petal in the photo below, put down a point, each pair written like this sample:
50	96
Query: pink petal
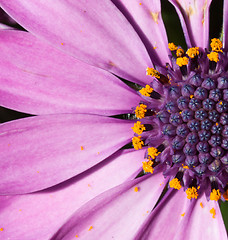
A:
225	25
42	83
39	215
39	152
198	223
115	214
194	17
165	218
147	16
96	33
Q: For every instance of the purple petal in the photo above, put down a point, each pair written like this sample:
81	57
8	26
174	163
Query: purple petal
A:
116	213
96	33
42	83
198	223
165	218
225	25
146	18
39	152
194	17
51	208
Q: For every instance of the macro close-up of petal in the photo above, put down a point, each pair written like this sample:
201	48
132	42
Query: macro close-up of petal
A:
114	120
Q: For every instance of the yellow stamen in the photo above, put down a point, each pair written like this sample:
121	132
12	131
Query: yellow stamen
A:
82	148
213	56
216	45
138	128
182	215
193	52
191	96
136	189
147	166
137	142
201	204
185	167
215	195
191	193
175	183
146	91
153	152
180	52
172	46
225	195
140	111
76	236
1	229
90	228
212	211
152	72
182	61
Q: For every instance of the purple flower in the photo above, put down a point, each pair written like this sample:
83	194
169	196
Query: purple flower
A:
67	172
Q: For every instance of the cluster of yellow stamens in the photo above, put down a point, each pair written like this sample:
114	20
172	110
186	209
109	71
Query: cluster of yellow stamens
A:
213	56
180	52
193	52
191	193
182	61
215	195
138	128
172	47
146	91
147	166
216	46
140	111
152	72
137	143
152	152
175	183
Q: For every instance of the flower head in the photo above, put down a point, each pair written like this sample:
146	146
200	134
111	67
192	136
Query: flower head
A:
91	79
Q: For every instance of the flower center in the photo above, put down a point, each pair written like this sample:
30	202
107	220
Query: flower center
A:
190	102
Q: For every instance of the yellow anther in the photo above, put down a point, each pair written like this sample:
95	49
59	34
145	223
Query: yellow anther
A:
216	124
201	204
225	195
215	195
137	142
140	111
220	103
76	236
1	229
213	212
136	189
180	52
193	52
216	45
182	61
153	152
172	47
182	215
213	56
191	96
184	166
138	128
146	91
147	166
152	72
82	148
191	193
90	228
175	183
